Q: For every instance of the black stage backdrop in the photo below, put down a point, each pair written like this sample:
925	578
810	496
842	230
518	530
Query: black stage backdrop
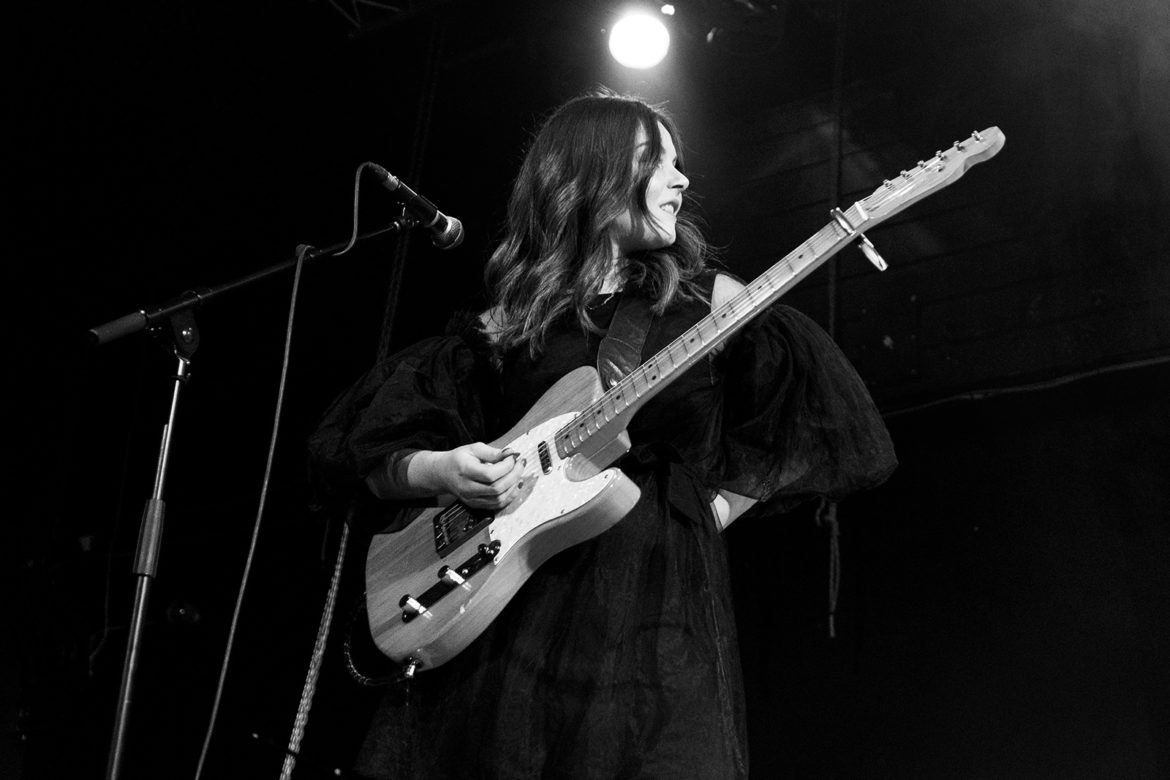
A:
1003	599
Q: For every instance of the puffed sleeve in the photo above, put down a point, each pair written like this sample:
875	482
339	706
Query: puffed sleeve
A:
436	394
798	422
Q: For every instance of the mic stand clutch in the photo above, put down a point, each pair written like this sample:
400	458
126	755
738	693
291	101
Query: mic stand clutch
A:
185	340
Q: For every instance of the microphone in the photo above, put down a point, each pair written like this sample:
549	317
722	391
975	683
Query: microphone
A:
446	232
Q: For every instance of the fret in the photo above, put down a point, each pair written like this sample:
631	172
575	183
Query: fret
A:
590	426
598	416
622	396
670	354
639	392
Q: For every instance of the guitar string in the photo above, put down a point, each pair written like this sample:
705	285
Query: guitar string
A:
658	363
614	399
614	402
875	201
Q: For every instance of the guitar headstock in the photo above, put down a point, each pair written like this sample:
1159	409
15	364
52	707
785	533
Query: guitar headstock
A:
929	175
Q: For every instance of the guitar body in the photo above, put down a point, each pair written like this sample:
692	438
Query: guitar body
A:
433	587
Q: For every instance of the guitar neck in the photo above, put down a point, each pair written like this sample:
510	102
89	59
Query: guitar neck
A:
611	413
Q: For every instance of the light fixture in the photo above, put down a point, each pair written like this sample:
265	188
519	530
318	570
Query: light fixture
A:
639	40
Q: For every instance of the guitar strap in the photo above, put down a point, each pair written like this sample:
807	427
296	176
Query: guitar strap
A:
619	354
621	349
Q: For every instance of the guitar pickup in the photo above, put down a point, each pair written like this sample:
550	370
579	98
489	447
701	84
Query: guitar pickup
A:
449	578
545	457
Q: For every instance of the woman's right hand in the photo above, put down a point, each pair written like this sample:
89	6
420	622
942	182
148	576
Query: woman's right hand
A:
478	474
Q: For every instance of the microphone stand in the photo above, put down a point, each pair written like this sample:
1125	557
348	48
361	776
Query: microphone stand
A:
184	334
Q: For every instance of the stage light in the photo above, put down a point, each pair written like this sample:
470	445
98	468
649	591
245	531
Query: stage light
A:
639	40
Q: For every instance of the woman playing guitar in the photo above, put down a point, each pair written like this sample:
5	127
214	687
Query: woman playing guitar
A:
617	657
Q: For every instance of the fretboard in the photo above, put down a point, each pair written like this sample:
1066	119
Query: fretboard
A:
611	413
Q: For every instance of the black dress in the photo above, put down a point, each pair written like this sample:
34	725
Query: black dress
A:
618	658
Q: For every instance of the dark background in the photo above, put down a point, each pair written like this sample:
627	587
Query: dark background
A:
1004	598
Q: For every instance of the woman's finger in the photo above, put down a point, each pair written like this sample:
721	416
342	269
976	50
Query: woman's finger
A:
507	465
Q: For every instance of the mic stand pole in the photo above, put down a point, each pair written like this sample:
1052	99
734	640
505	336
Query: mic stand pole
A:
185	340
185	334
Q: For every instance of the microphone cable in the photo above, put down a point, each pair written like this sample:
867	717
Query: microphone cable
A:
323	629
302	250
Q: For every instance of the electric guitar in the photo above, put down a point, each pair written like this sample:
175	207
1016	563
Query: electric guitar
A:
434	586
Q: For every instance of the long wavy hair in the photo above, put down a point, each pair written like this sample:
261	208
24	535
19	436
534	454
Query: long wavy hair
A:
579	176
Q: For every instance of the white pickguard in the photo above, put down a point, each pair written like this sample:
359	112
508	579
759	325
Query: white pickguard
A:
544	496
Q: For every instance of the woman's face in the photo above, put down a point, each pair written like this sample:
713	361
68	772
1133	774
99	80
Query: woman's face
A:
663	199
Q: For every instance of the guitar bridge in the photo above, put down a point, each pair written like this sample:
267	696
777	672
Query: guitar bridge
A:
456	524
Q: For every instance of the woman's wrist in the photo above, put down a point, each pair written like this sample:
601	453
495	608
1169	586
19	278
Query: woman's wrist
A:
403	474
422	471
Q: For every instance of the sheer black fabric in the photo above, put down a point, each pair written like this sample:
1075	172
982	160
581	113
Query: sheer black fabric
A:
618	658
